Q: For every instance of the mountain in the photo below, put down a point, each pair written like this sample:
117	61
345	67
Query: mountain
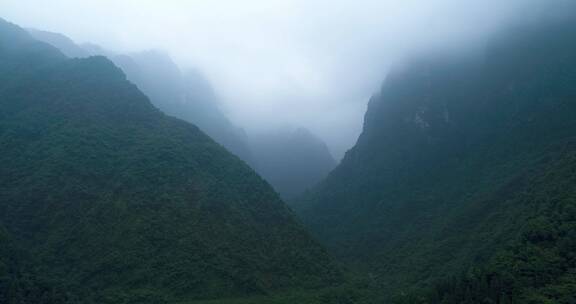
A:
292	160
59	41
186	95
105	199
462	182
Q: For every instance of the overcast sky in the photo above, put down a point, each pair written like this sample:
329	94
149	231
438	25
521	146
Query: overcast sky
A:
311	63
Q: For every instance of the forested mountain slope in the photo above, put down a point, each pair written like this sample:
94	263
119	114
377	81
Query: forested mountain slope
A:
465	163
103	198
290	161
187	95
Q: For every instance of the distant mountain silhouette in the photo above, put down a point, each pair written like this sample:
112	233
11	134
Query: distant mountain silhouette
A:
292	160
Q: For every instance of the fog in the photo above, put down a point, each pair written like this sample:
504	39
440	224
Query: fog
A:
278	63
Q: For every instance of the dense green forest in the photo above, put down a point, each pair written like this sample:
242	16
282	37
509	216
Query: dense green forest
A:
104	199
291	159
461	186
187	94
460	190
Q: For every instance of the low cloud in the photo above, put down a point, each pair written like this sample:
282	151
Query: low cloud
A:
280	62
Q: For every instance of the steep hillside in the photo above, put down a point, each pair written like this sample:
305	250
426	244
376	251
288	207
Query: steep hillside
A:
292	161
115	202
447	173
185	95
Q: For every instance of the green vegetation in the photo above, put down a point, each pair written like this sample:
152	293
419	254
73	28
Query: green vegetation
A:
540	265
185	95
107	200
461	187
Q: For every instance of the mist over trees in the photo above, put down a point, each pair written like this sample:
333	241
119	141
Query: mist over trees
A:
186	95
460	180
291	161
112	201
190	160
